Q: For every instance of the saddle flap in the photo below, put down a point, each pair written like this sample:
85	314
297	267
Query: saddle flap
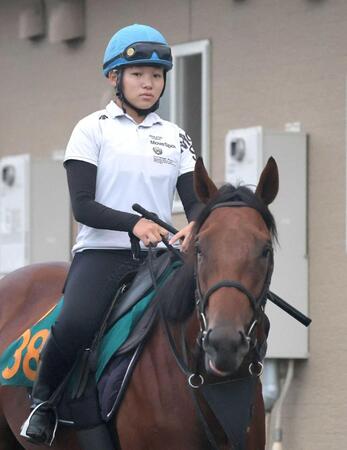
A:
140	286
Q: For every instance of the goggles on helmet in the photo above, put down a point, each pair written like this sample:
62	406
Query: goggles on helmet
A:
143	50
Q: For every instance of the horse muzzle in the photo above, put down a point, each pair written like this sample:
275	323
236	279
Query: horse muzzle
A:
225	350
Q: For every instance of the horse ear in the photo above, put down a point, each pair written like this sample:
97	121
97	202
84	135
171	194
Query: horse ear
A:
204	187
267	188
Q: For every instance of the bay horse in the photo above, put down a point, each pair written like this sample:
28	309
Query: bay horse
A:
224	278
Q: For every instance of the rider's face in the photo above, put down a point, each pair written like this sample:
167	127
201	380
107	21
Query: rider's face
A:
142	85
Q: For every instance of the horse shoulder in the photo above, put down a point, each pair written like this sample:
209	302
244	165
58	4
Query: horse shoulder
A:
26	294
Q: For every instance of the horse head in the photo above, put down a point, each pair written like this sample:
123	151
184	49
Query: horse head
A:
233	266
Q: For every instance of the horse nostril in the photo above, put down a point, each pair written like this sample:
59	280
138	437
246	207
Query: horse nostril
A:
214	340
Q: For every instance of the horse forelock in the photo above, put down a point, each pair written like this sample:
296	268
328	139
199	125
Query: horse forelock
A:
230	193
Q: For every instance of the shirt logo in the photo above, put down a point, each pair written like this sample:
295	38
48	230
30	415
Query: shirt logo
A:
160	147
159	143
186	144
162	160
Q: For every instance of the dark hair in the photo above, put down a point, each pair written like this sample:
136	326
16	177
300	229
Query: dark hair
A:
228	193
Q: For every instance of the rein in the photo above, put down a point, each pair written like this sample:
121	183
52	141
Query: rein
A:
182	362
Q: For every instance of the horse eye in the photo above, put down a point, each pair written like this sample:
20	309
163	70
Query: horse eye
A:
265	252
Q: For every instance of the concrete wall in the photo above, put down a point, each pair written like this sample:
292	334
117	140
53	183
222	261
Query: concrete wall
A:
273	61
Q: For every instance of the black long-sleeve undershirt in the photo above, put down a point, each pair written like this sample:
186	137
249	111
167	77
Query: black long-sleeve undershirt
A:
82	185
185	189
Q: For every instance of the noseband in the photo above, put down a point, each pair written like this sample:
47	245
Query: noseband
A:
201	299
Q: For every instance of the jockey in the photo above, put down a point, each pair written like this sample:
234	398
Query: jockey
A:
121	155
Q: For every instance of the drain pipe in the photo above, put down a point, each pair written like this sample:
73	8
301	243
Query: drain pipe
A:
271	384
278	432
271	389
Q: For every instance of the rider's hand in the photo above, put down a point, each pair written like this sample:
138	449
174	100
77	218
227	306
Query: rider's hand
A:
185	235
149	232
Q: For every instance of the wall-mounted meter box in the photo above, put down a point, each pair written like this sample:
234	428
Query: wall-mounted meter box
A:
246	153
35	222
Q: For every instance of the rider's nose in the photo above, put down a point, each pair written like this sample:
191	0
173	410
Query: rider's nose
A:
147	82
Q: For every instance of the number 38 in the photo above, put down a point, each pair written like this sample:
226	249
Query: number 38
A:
29	344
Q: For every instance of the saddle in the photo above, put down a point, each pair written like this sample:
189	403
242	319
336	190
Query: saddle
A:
114	352
136	285
87	401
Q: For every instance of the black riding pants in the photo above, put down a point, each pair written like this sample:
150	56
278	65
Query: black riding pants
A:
92	282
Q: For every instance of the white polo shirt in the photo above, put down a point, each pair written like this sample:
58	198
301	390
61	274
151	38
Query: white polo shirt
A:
136	163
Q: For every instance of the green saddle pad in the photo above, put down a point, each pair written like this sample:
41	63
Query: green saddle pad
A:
18	363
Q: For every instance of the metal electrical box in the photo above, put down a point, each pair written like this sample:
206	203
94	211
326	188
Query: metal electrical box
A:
246	153
35	222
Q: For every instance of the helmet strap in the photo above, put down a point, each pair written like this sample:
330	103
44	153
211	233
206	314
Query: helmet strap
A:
120	94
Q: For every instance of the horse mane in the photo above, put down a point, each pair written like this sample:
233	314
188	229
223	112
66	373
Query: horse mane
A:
177	295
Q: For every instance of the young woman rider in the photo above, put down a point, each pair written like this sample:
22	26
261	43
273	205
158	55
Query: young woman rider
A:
121	155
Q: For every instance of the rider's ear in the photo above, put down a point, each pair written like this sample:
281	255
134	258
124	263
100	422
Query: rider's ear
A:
267	188
204	187
112	77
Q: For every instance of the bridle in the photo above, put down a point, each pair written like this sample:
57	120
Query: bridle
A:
202	299
195	379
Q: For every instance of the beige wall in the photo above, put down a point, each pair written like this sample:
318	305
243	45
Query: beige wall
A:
273	61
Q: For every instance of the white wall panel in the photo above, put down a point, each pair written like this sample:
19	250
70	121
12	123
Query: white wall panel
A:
246	153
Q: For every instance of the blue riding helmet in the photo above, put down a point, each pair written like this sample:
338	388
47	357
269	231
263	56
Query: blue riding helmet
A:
137	45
